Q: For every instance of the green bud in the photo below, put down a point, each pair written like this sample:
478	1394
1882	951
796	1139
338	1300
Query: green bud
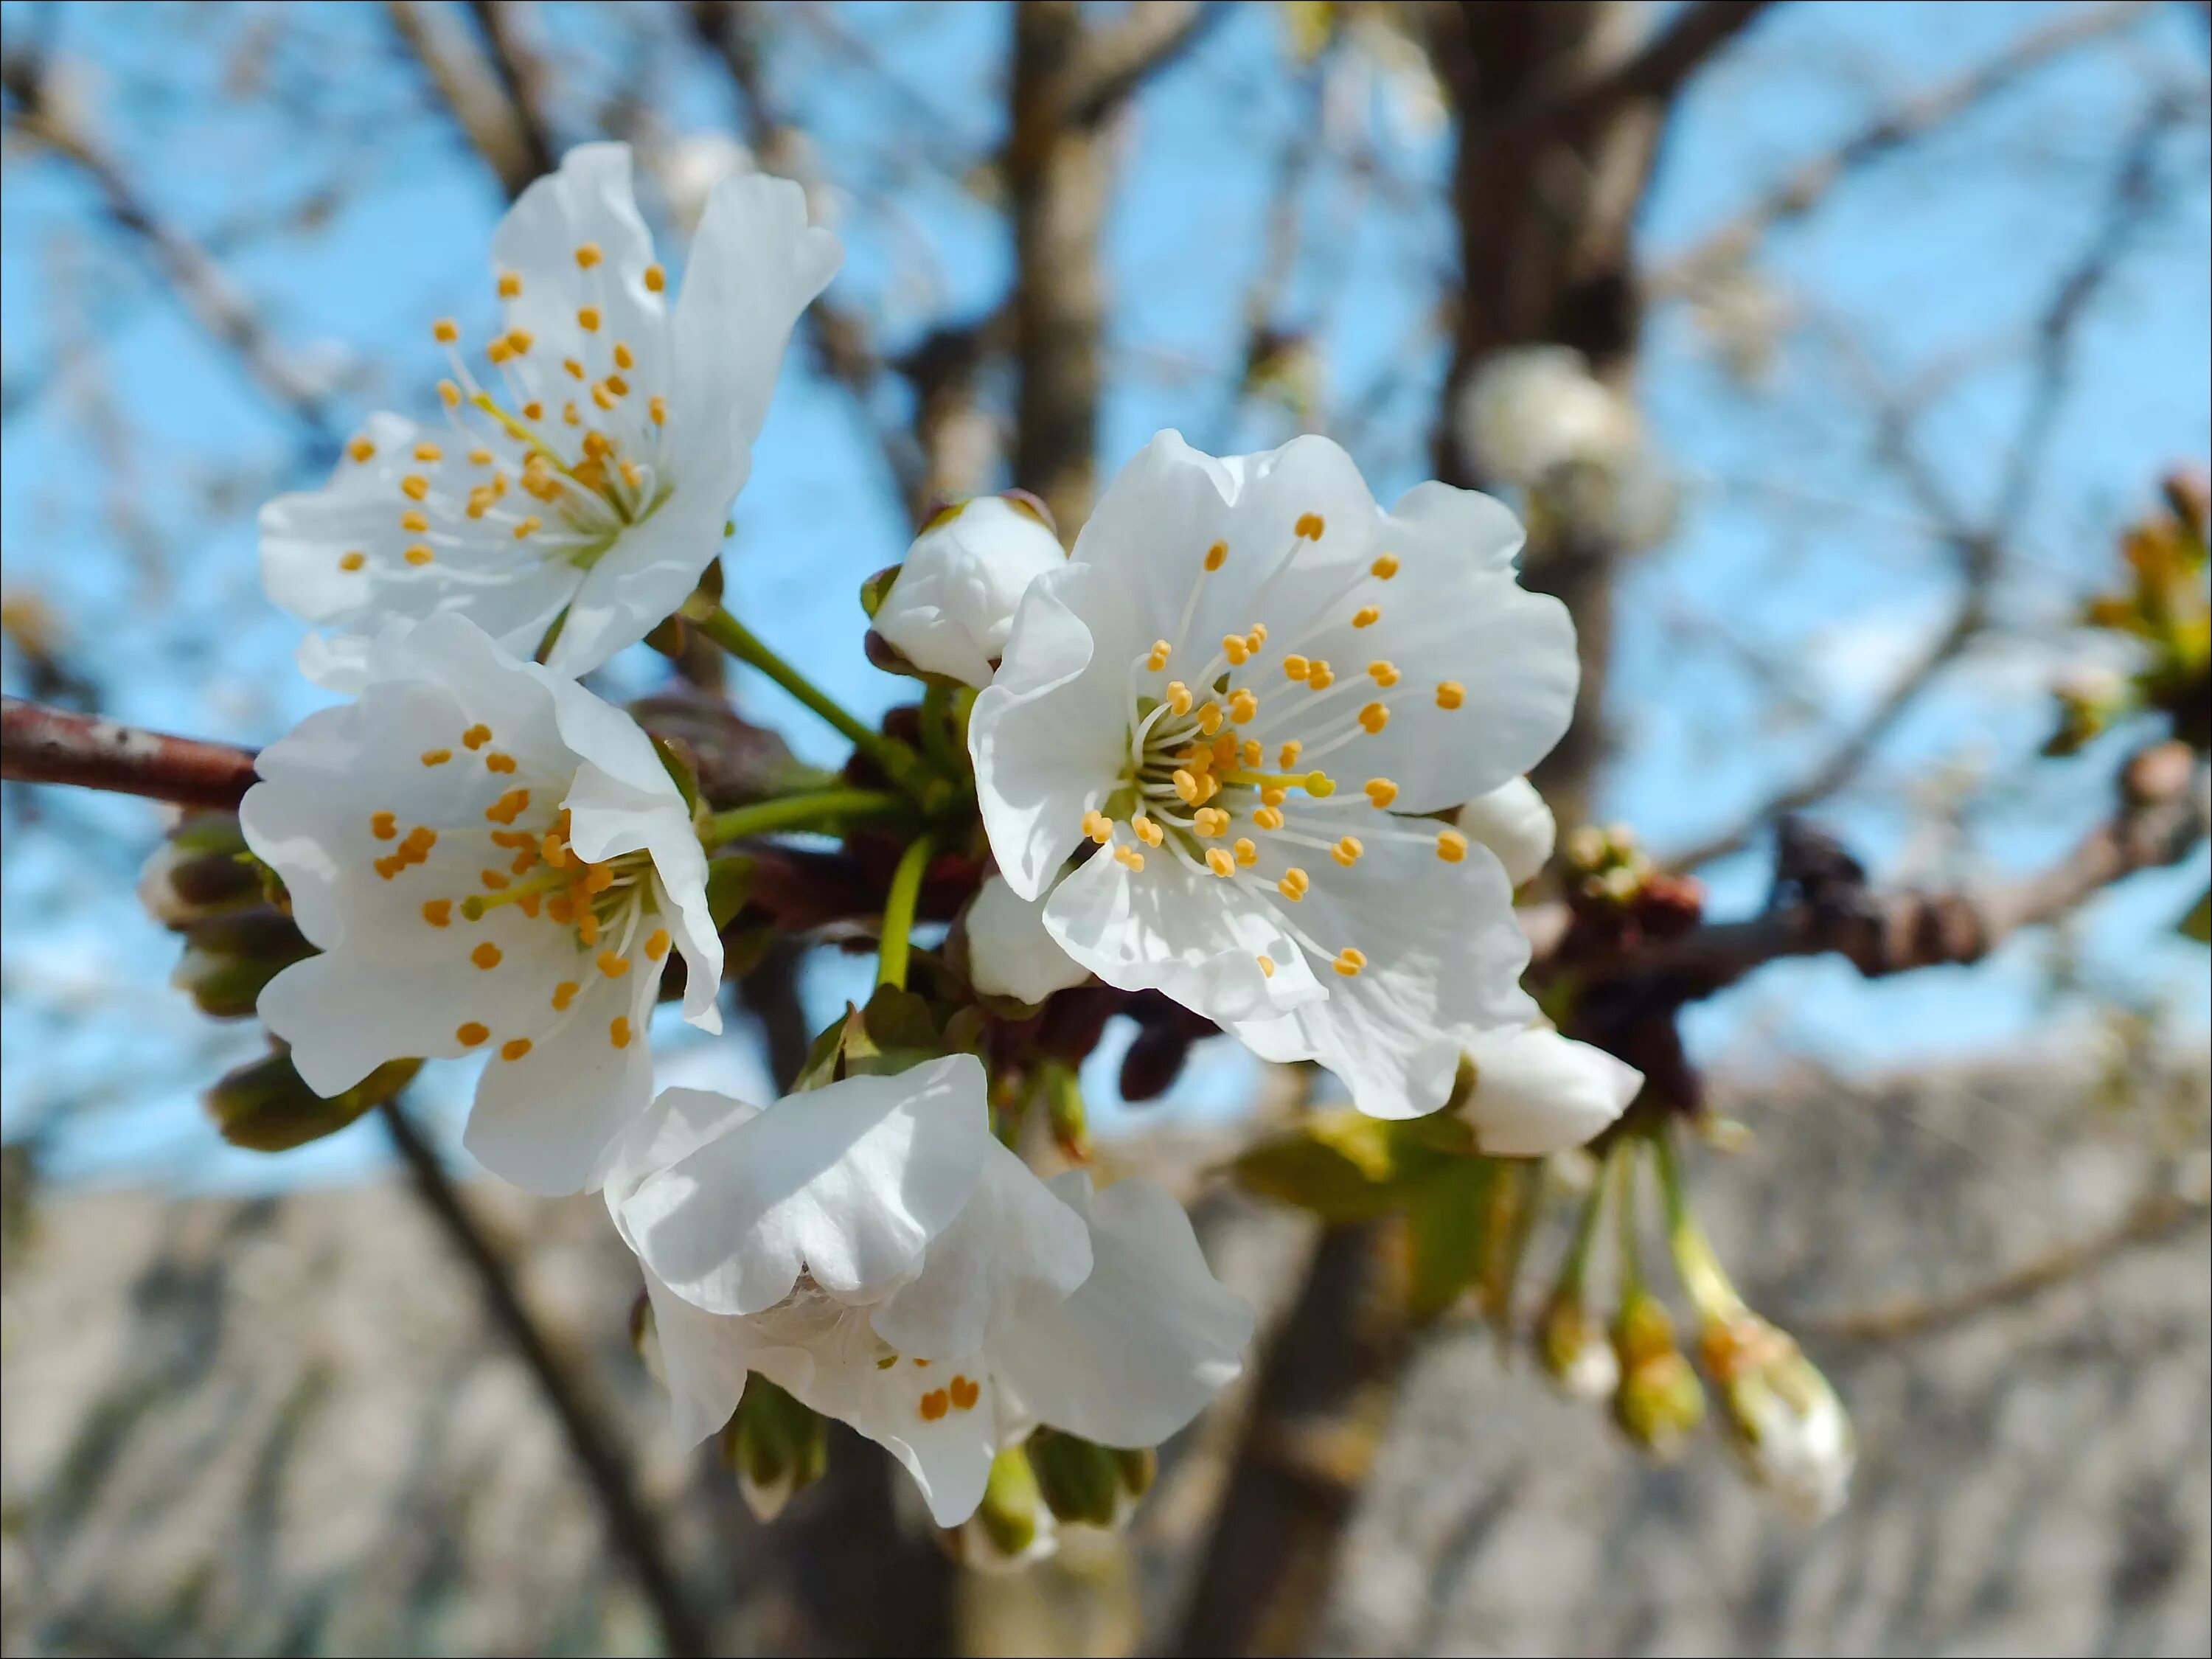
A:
202	869
267	1108
1070	1130
229	958
1659	1399
1012	1527
1080	1478
1572	1348
774	1446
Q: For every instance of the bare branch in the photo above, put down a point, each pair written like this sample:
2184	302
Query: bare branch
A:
1114	61
39	744
1660	69
1806	188
480	96
597	1451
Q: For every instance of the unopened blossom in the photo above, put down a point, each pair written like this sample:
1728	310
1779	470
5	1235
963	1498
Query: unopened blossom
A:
1512	822
1009	953
692	166
1239	697
1530	410
1537	1093
870	1247
1783	1416
583	474
953	601
492	861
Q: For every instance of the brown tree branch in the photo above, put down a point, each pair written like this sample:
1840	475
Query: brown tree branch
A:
1115	60
43	744
523	75
1658	70
597	1451
479	96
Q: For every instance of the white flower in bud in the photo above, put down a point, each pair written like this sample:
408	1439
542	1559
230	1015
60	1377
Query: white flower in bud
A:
871	1249
953	602
1244	686
1537	1093
492	861
1512	822
585	480
692	166
1795	1436
1529	411
1010	954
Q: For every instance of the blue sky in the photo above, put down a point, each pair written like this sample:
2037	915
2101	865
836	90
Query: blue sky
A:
1791	540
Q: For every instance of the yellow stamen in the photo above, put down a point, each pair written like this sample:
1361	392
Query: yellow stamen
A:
525	527
1383	673
1373	717
563	994
1247	850
1266	966
587	319
656	279
1178	698
1234	648
1382	791
418	554
415	518
436	756
618	1032
415	486
1268	818
493	879
1159	660
1219	860
485	955
1209	717
470	1033
1147	831
1296	667
1217	555
1347	851
657	408
623	357
588	255
445	330
1349	962
612	966
1186	786
1210	821
352	560
1451	694
1321	678
1098	826
1253	752
656	946
1384	567
429	454
510	285
507	807
1129	857
439	913
1293	884
1367	616
1244	705
1310	526
495	762
514	1049
1451	846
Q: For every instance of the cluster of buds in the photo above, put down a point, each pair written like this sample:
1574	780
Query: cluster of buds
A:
204	884
1618	898
1657	1400
2166	610
1051	1481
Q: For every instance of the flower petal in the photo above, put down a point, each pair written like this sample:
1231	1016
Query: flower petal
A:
849	1183
676	1124
704	1357
952	604
1009	953
1537	1093
1146	1341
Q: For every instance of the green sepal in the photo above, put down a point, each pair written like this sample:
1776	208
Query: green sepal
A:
266	1106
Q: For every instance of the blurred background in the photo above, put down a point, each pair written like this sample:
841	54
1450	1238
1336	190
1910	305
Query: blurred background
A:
1832	351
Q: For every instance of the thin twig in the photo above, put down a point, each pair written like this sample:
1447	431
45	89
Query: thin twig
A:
475	92
1658	70
597	1451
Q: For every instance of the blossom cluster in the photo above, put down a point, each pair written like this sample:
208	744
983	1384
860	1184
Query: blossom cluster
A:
1255	745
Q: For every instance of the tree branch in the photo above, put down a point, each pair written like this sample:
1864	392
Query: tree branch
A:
43	744
478	96
597	1451
1117	59
1659	70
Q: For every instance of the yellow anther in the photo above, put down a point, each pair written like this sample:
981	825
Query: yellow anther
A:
563	994
514	1049
1247	850
525	527
1451	694
436	756
588	255
559	909
533	410
429	454
1243	705
1178	698
1218	860
1208	788
485	955
439	913
1451	846
1267	818
1159	660
470	1033
1209	717
656	944
352	560
484	458
1097	826
575	369
587	319
524	859
1382	791
507	807
1384	567
445	331
415	518
657	408
569	413
1349	962
1296	667
1321	678
1383	673
1148	832
510	285
618	1032
481	499
1367	616
420	840
1217	555
418	554
1320	785
602	398
623	358
1253	752
1234	648
1293	884
597	446
492	879
1287	757
1347	851
612	966
1258	636
496	761
1310	526
598	877
449	394
361	449
499	352
384	825
1223	753
1266	966
632	473
554	849
1186	786
616	384
415	486
1129	857
656	279
1273	795
1374	718
520	340
1210	821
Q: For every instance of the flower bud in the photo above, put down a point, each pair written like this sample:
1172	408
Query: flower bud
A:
774	1446
229	958
1086	1484
1537	1092
1783	1416
1659	1400
202	869
1009	952
266	1107
1529	411
950	608
1571	1346
1013	1525
1512	822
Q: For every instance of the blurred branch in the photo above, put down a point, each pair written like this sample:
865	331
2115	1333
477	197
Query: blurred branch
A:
522	75
1806	188
39	744
480	94
1116	59
206	293
597	1450
1658	71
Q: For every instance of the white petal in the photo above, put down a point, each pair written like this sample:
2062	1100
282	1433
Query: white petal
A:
952	604
1512	822
849	1183
1010	954
909	1408
1146	1341
704	1357
1050	735
1016	1250
1537	1093
649	571
676	1124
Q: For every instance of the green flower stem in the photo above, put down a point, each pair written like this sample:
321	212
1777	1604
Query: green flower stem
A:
900	763
1576	1267
822	808
898	913
1621	1166
1700	1269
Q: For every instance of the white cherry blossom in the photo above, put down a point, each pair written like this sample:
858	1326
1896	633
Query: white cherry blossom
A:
870	1247
584	480
492	861
1247	686
954	599
1512	822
